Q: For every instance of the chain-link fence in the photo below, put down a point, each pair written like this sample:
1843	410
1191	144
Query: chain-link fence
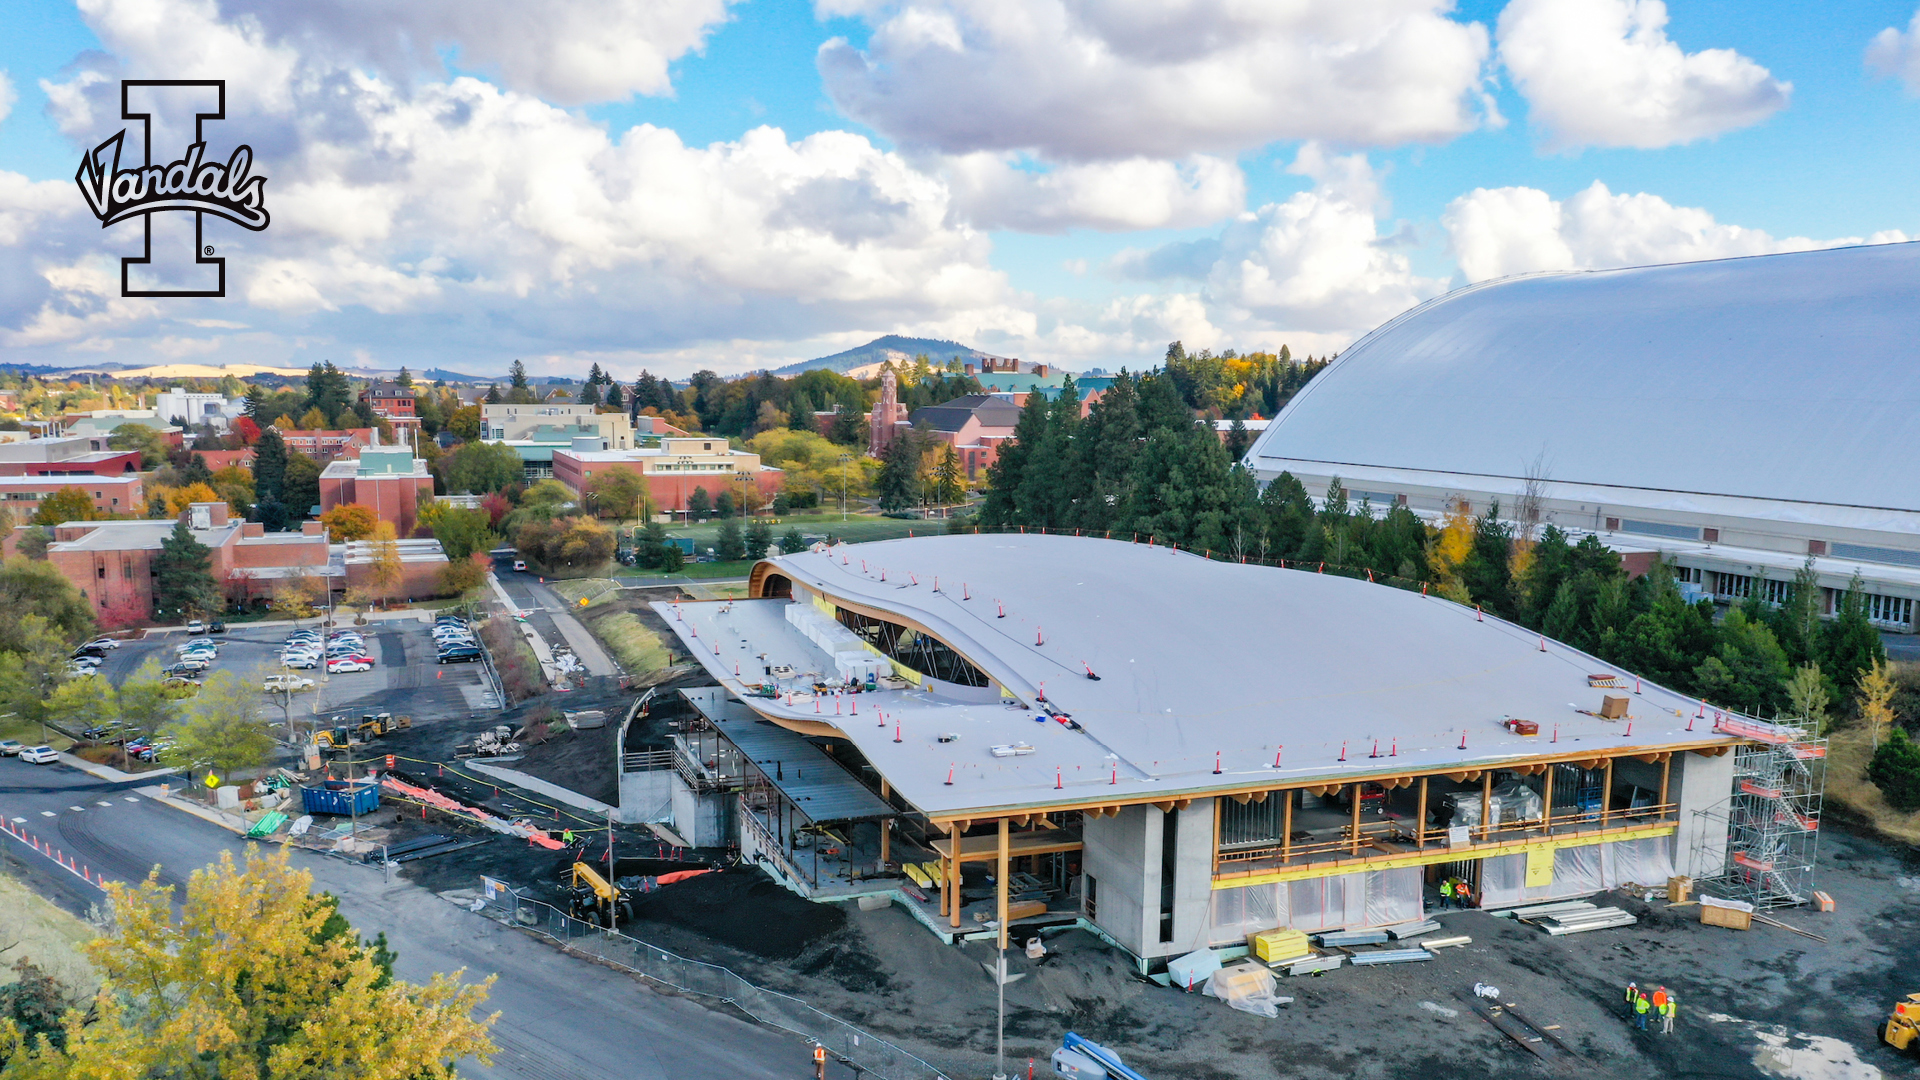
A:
855	1048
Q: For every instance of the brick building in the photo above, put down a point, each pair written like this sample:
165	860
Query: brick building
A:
673	469
66	456
327	445
887	418
111	562
110	494
389	480
975	425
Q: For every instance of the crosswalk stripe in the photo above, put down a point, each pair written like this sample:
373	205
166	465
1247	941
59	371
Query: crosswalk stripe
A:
133	798
103	802
76	808
19	821
48	813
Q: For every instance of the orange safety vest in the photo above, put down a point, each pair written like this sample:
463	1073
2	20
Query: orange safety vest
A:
1659	999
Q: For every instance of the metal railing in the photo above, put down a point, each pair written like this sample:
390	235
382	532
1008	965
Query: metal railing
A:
855	1047
646	760
1371	832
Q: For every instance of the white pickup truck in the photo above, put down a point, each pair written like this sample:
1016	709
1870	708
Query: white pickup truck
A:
286	684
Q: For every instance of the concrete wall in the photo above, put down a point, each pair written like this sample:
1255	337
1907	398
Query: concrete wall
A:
1703	787
1123	854
648	796
1119	854
700	819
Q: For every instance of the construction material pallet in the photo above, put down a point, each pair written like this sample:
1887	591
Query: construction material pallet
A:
1533	1037
1390	956
1313	964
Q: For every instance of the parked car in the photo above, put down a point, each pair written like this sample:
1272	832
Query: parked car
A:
198	646
520	564
152	753
39	755
180	682
101	643
217	626
196	627
347	664
99	731
286	683
186	667
460	655
301	662
11	747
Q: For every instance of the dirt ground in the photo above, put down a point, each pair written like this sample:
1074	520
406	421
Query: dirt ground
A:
1763	1003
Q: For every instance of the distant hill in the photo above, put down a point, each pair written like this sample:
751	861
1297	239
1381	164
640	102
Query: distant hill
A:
881	349
186	371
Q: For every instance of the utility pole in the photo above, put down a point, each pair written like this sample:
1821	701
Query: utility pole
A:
844	458
613	902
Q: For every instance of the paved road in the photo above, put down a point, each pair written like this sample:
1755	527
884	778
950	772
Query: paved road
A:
561	1018
552	616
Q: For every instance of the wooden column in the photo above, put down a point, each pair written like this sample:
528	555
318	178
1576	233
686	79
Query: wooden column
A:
1666	771
946	891
953	878
1286	827
1546	811
1002	872
1420	823
1606	794
886	833
1356	818
1486	804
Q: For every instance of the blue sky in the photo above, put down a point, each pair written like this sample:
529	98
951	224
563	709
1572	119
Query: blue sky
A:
454	188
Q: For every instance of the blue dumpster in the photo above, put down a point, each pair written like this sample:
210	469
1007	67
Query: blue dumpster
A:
339	797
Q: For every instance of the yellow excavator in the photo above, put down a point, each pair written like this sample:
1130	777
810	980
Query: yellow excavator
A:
374	725
596	898
1903	1023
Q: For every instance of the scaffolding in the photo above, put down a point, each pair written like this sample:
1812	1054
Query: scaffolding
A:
1773	816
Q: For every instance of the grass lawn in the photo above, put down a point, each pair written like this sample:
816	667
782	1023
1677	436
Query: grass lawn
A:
858	528
594	589
1849	750
638	649
36	930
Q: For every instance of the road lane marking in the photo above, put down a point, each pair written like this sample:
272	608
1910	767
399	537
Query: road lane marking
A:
133	798
76	809
48	813
19	821
103	802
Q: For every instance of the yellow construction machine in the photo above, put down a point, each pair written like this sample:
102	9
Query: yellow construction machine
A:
374	725
334	738
1903	1023
596	898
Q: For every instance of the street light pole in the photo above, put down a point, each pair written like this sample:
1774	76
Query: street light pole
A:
844	458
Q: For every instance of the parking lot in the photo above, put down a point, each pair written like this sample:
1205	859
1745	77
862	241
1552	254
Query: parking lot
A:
404	680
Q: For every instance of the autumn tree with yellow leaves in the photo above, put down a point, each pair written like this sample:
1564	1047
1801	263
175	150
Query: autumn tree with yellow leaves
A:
254	978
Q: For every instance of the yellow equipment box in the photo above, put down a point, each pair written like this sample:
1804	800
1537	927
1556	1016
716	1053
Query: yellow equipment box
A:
1272	945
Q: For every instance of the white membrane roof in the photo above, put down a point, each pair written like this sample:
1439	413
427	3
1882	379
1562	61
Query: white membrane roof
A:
1202	666
1783	377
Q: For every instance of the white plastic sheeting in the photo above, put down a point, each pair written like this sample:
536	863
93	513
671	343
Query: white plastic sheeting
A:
853	659
1368	898
1577	871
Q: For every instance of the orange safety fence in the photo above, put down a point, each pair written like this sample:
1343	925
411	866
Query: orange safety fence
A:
432	798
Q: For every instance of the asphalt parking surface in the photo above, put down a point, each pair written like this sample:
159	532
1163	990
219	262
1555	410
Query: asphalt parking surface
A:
405	677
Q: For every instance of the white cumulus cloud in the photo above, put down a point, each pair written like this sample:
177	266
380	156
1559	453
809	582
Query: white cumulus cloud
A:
1897	53
1081	80
992	191
1496	232
1604	73
7	96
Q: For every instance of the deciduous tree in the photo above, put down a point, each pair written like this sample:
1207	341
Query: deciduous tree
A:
223	728
348	522
66	504
254	977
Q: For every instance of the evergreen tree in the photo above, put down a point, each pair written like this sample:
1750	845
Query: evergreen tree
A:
1104	452
1488	569
726	505
948	487
1008	471
595	376
1797	622
493	394
759	537
1850	644
847	429
269	464
731	546
791	541
1050	480
589	394
1748	670
1287	514
699	504
256	403
615	400
328	390
898	486
1239	439
405	378
1895	770
183	577
301	488
195	471
519	391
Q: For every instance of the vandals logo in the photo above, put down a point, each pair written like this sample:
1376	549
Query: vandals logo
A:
192	183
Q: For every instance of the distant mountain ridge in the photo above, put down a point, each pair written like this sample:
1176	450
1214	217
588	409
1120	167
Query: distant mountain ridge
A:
881	349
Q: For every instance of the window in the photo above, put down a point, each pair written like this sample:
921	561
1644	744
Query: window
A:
1736	586
1776	592
1868	553
923	653
1169	845
1892	610
1658	528
1092	896
1686	575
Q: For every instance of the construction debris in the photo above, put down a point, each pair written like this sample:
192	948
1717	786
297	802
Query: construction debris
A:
1412	930
1336	938
1757	917
1315	964
1583	921
1446	942
1390	956
1247	987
